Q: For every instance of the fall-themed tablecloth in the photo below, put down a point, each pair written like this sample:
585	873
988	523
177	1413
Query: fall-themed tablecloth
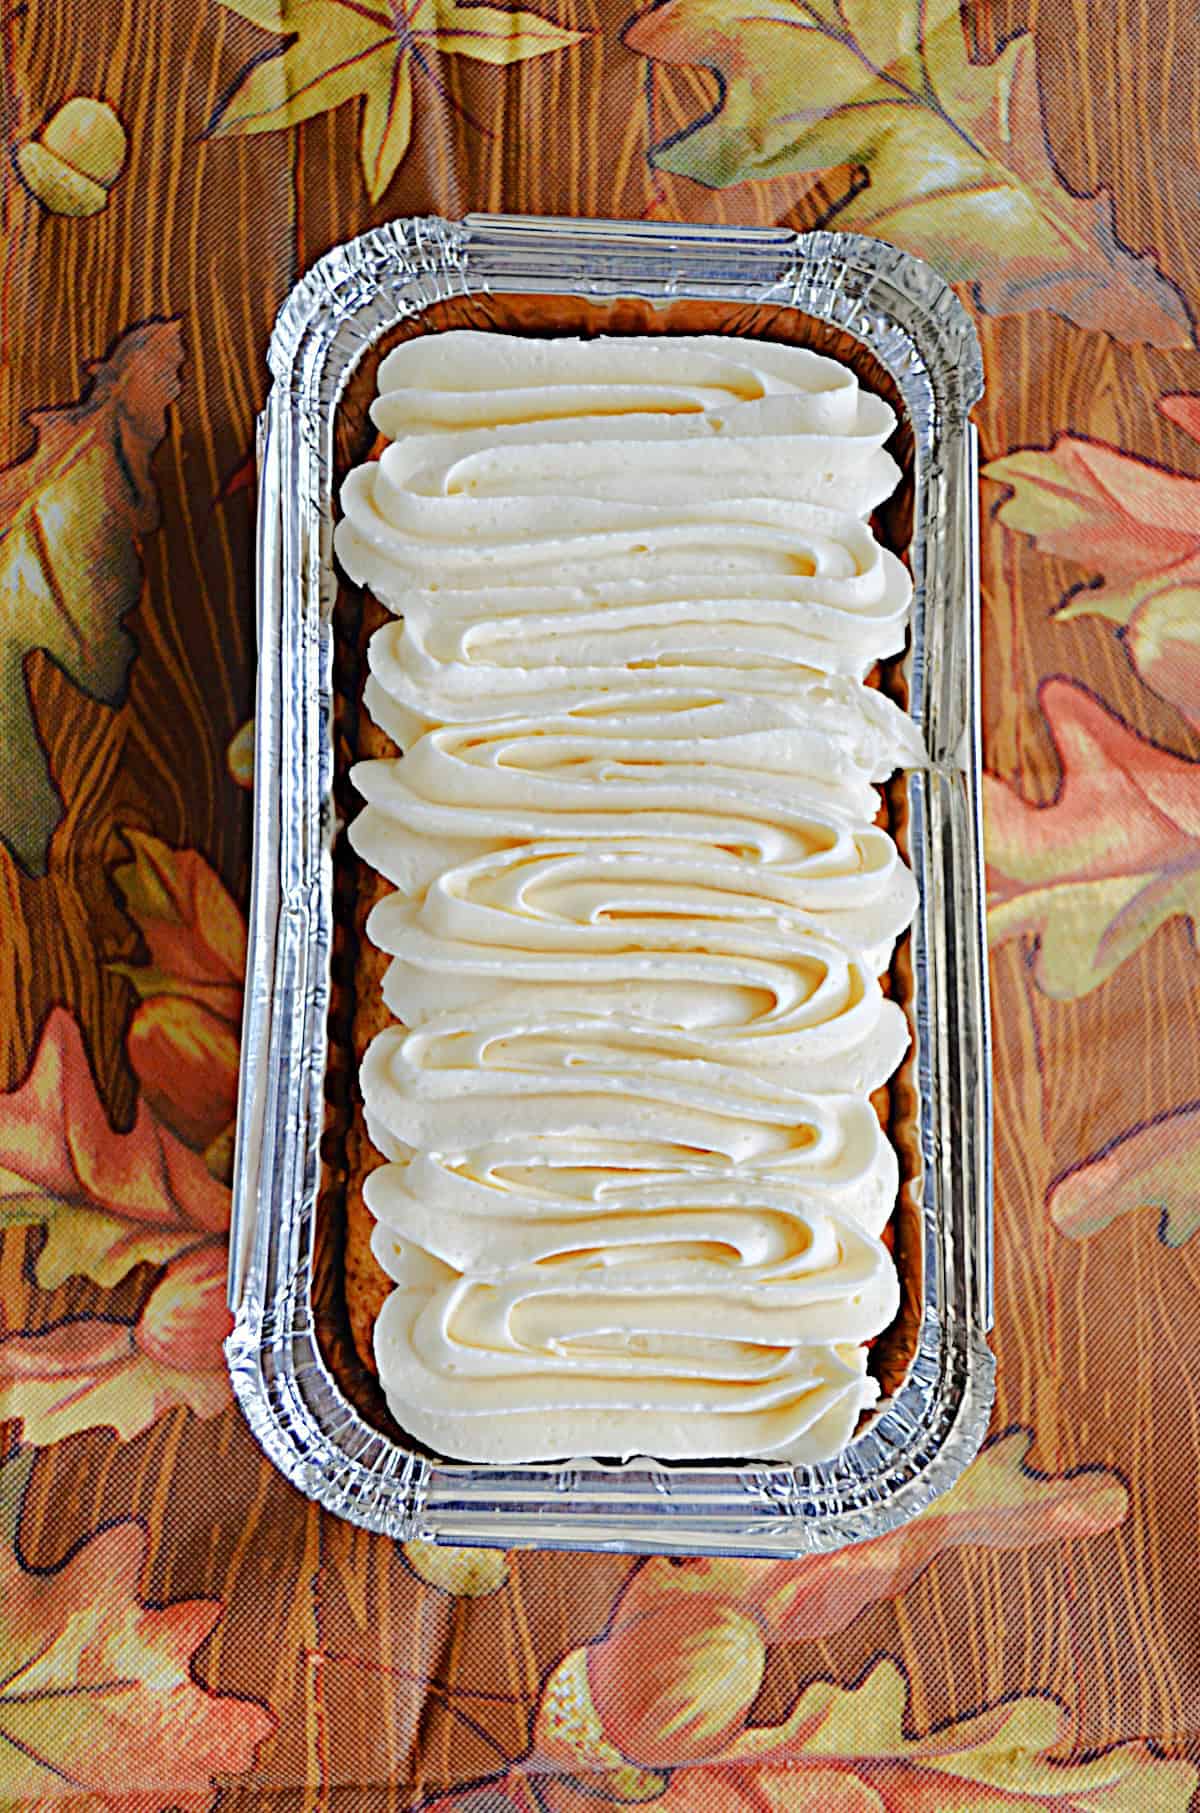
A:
178	1627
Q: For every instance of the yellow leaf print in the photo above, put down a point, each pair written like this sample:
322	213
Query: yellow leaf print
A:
955	153
342	50
467	1573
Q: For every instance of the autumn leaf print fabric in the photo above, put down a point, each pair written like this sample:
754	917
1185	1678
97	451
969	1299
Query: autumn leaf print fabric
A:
178	1627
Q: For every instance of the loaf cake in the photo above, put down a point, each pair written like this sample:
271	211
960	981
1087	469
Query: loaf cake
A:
634	900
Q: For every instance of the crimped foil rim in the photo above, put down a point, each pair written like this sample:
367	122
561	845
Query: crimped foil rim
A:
918	329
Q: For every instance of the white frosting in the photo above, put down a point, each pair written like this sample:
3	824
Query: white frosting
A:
637	1188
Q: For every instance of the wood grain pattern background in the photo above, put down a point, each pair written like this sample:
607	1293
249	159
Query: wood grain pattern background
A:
379	1682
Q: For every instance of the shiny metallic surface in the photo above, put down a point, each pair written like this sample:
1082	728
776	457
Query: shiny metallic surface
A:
917	1443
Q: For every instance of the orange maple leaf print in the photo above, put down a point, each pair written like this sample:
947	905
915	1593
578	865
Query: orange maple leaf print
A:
156	1194
1136	526
183	1040
98	1703
109	1201
1090	877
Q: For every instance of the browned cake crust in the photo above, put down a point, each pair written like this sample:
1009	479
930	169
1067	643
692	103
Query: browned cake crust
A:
367	1284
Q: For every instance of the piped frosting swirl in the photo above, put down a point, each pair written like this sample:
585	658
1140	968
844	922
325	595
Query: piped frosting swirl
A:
636	1188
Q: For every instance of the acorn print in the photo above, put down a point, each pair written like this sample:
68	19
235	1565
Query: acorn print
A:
77	159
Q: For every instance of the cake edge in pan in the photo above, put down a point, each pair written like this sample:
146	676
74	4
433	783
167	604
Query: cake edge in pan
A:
350	1286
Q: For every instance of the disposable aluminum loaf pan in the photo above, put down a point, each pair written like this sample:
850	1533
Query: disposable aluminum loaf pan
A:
890	316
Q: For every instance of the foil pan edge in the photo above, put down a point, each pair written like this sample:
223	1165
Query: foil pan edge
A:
923	1438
